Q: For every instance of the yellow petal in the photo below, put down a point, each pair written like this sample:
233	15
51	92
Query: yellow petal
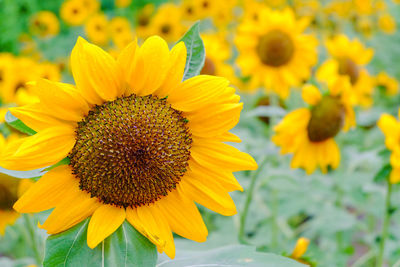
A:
7	217
35	117
76	206
105	221
311	94
150	221
198	92
48	191
214	120
176	68
183	216
95	72
61	100
153	61
41	150
219	155
209	193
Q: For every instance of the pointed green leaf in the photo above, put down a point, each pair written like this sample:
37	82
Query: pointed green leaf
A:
383	174
125	247
195	51
18	124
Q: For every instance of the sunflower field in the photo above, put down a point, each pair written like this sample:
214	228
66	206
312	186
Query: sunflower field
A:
262	133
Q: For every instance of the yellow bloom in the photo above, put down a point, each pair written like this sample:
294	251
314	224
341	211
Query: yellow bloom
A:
300	248
121	31
122	3
390	84
391	129
167	23
274	51
23	70
143	19
74	12
45	24
364	25
387	24
97	29
348	60
309	133
10	189
143	145
218	52
49	71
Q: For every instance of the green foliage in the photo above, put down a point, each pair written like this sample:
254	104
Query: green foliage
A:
126	247
18	124
235	255
195	51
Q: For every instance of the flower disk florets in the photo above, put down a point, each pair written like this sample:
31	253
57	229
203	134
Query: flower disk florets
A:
131	151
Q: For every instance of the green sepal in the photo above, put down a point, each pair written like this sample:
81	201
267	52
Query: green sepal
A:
196	53
125	247
18	124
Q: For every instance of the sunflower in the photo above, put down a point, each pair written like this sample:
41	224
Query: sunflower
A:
122	3
387	24
167	22
143	19
121	31
274	51
97	29
388	83
23	70
74	12
348	60
142	144
45	24
10	189
390	127
309	133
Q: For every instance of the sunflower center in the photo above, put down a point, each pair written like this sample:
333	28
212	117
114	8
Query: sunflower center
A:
327	119
209	67
166	28
275	48
8	192
350	68
131	151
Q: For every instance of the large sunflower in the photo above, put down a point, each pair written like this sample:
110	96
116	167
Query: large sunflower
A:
274	51
348	60
309	133
142	144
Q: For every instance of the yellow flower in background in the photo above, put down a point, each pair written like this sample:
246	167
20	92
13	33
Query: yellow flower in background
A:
390	127
10	189
387	24
389	84
167	23
364	7
92	6
121	32
143	19
164	139
274	51
49	71
349	58
122	3
45	24
190	10
308	133
218	52
74	12
300	248
96	29
364	25
23	70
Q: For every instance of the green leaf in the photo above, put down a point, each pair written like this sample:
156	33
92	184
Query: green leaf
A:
196	53
125	247
18	124
235	255
383	174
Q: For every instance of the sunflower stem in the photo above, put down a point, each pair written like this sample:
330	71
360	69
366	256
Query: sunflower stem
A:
32	234
385	226
249	198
